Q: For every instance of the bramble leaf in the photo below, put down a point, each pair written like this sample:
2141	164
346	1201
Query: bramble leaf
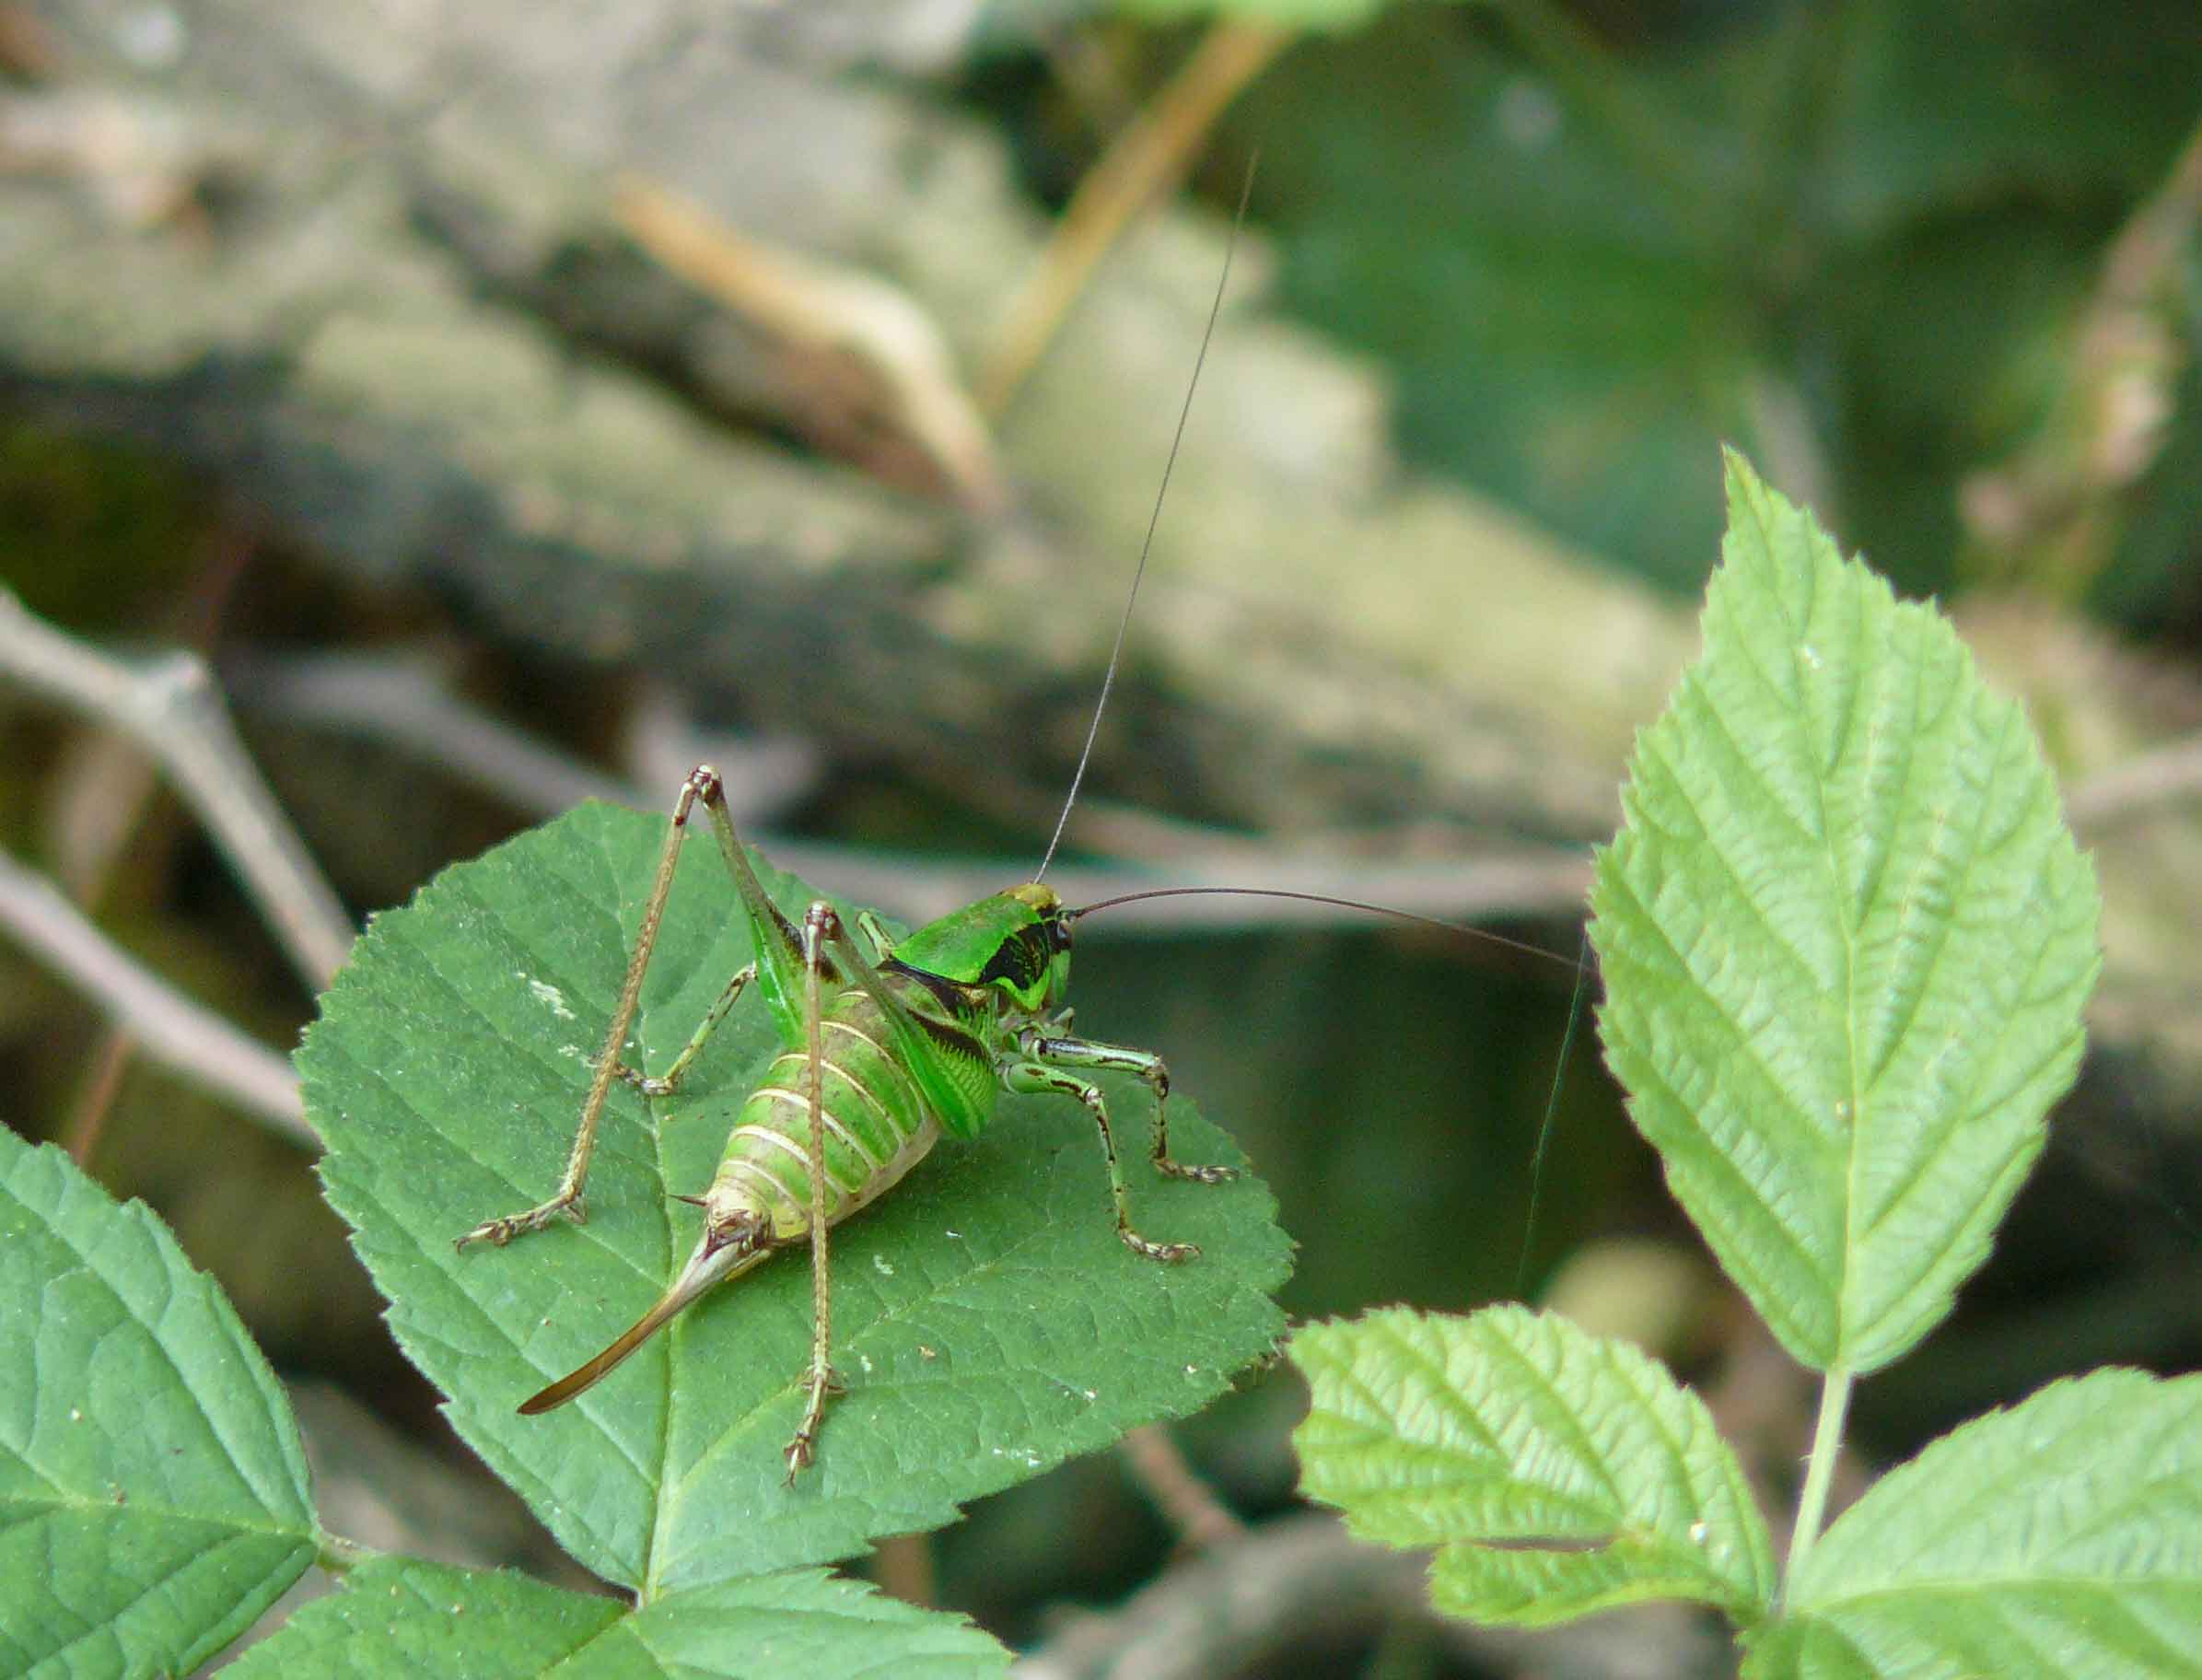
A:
2061	1538
1846	939
153	1497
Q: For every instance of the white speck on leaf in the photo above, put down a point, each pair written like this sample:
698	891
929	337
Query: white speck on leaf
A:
878	1264
547	993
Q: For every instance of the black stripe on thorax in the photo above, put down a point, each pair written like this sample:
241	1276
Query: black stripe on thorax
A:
952	1037
1020	959
954	998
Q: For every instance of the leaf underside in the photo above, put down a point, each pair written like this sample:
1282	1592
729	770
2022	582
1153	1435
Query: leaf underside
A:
1559	1473
986	1322
1845	940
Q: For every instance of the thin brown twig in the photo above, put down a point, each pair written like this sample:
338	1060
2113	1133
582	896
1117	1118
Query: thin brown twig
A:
903	1565
1300	1579
107	783
95	1098
103	805
1188	1503
1148	158
171	707
888	353
390	701
166	1025
399	700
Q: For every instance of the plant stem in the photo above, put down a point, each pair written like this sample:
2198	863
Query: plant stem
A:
1819	1470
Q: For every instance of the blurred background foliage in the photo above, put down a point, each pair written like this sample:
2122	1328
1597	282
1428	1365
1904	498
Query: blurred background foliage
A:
323	333
1592	242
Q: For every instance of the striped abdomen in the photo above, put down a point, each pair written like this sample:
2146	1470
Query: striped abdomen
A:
876	1126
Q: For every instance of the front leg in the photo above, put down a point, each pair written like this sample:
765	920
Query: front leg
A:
1040	1046
701	783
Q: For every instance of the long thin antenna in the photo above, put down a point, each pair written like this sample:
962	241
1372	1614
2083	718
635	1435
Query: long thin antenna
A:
1580	964
1552	1118
1154	519
1344	904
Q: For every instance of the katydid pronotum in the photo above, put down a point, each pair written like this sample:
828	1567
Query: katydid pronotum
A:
886	1045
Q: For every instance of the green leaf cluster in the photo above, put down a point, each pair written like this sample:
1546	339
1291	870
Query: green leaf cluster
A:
1845	940
988	1325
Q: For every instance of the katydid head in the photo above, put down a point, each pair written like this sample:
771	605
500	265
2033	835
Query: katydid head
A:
1032	966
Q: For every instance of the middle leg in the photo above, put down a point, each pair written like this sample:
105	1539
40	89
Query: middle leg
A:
1060	1051
1037	1076
666	1083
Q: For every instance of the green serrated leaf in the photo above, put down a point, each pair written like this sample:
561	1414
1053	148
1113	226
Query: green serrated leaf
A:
1559	1473
400	1616
987	1321
153	1497
2061	1538
405	1617
1845	940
